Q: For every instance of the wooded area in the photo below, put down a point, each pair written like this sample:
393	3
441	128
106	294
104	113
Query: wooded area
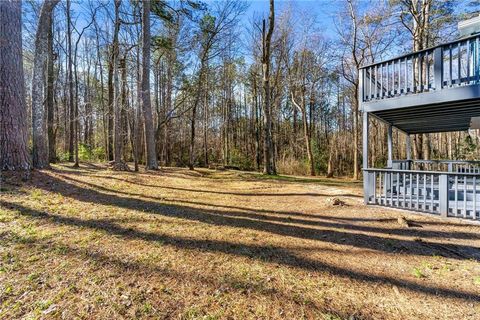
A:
192	159
187	83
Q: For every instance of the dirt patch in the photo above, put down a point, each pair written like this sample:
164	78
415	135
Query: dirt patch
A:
209	244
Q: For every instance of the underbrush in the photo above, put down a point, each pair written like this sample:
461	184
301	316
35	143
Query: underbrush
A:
85	153
293	167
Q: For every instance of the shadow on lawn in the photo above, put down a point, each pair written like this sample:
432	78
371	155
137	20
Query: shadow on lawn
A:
90	169
249	194
331	222
139	268
235	218
240	219
439	222
263	253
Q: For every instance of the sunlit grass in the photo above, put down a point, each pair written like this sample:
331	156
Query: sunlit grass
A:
219	244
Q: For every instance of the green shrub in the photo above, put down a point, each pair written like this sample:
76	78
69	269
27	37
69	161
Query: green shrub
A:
320	157
62	156
241	160
292	166
418	273
98	154
84	152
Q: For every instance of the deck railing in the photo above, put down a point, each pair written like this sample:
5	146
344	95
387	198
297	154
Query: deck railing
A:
448	65
458	166
441	193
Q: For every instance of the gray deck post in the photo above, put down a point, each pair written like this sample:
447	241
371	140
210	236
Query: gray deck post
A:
366	177
443	194
409	152
390	147
437	68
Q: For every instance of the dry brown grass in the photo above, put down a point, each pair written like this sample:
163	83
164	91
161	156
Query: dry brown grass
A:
175	244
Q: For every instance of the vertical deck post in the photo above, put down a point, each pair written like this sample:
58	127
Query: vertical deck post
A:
366	177
443	194
438	68
390	147
409	152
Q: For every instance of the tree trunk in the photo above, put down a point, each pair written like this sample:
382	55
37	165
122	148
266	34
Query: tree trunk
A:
77	119
157	66
308	144
168	106
330	163
137	117
306	133
268	145
356	174
88	128
191	152
40	61
418	144
205	120
126	113
71	103
427	147
152	163
256	124
118	163
110	111
13	108
102	99
51	132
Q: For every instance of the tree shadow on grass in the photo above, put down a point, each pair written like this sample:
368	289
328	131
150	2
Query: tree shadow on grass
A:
313	220
439	222
136	267
301	180
269	253
248	194
235	218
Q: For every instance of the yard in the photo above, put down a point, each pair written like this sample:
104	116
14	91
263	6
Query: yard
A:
205	244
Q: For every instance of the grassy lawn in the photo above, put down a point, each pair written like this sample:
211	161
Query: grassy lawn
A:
178	244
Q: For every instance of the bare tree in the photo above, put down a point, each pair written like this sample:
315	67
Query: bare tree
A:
304	80
212	28
209	30
50	98
269	167
362	41
118	163
71	103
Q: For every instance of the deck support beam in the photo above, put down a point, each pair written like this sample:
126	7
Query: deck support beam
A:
366	177
437	68
409	147
443	195
409	152
390	147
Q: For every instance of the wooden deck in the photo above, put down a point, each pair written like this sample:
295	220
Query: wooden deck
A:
433	90
441	193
